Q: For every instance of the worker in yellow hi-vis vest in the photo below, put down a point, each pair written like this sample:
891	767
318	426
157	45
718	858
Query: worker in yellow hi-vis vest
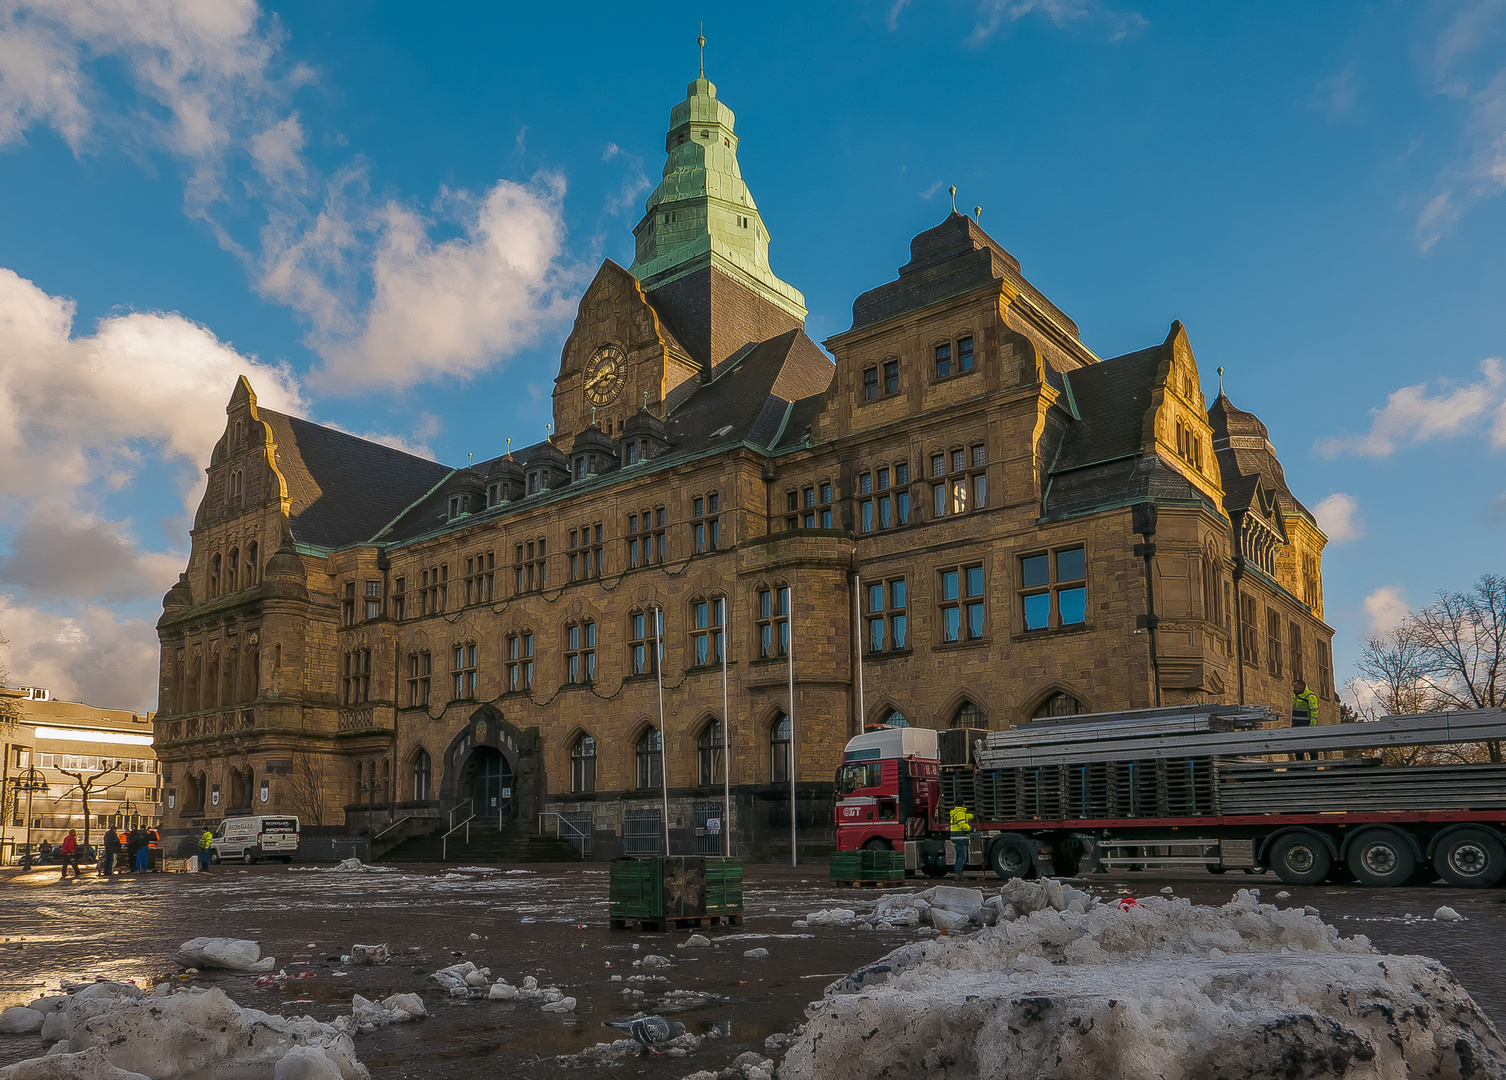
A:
962	829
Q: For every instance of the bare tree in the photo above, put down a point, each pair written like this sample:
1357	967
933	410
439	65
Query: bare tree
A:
87	784
308	788
10	712
1462	637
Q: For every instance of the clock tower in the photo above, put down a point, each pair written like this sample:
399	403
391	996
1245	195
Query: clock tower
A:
700	290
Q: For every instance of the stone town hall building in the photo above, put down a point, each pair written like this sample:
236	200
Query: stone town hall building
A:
363	633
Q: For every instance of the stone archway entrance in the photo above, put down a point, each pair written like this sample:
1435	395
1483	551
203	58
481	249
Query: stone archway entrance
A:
489	778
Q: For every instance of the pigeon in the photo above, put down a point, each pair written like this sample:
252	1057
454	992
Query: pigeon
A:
649	1031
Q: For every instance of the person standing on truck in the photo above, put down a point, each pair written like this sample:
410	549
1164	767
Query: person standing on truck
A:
1304	713
962	829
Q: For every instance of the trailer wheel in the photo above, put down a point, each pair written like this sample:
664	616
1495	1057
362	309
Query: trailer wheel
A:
1470	859
1011	857
1381	858
1300	858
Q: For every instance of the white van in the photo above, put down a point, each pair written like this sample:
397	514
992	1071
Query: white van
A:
252	838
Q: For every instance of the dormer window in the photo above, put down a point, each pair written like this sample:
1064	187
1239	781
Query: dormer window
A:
459	505
493	494
630	453
580	467
533	482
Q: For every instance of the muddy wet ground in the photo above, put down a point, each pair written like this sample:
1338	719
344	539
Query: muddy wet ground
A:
551	922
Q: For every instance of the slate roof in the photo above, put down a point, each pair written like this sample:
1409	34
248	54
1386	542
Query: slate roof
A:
948	260
1248	464
761	395
344	488
1100	459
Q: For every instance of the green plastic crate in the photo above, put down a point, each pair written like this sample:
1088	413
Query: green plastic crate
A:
879	865
846	865
675	886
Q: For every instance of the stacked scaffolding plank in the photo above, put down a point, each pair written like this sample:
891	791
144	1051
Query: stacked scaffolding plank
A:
1351	786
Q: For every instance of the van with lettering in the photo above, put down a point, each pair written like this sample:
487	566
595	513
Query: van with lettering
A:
269	836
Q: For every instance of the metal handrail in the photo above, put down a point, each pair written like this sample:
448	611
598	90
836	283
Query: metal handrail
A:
558	821
389	828
444	841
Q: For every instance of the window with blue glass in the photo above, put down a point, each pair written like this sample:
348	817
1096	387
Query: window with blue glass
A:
1054	589
887	618
964	610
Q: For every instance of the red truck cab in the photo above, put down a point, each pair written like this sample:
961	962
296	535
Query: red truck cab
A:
888	791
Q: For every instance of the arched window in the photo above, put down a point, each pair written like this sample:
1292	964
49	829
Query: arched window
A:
711	755
214	577
251	552
968	715
583	765
423	771
650	755
233	570
779	750
1059	704
894	718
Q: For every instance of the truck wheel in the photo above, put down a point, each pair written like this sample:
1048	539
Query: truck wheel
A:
1381	859
248	858
878	843
1011	857
1470	859
1300	859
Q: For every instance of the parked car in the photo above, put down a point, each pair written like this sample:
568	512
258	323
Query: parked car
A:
250	838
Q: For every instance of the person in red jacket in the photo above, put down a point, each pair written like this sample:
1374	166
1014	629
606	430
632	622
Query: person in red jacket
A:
68	849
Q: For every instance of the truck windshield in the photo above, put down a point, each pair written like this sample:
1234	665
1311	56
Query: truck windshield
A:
866	774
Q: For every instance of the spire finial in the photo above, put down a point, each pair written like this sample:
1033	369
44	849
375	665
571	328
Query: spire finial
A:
593	415
509	446
701	41
1220	380
470	458
953	190
978	214
645	401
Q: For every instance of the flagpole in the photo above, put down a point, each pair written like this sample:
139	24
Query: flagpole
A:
726	737
857	614
789	622
663	735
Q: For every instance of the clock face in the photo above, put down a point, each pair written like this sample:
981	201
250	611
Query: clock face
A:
606	374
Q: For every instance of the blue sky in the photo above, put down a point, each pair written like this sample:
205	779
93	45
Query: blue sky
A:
384	214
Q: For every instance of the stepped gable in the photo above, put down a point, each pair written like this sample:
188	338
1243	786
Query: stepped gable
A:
1101	460
950	259
343	489
1251	472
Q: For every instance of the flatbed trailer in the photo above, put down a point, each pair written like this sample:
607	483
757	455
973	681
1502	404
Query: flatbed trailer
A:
1148	793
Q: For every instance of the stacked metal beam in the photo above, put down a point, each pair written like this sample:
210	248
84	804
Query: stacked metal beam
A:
1095	740
1358	786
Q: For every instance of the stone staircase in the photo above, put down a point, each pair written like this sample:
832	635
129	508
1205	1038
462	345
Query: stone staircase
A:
488	846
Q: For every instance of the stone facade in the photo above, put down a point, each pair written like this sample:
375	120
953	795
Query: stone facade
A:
960	500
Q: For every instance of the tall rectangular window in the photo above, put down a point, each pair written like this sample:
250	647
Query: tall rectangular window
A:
964	613
773	623
965	354
1249	631
943	360
348	605
399	591
373	600
531	566
705	525
1294	651
463	671
888	621
1054	589
870	383
891	376
520	661
706	631
580	651
420	669
1273	642
641	642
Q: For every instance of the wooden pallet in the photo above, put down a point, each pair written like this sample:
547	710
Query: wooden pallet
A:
676	922
871	884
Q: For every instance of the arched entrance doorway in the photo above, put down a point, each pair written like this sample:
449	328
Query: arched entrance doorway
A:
490	781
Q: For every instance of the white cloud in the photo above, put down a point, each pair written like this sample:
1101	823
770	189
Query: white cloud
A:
61	553
932	190
1411	415
1338	96
1467	67
90	655
77	408
456	307
1338	517
1386	608
994	14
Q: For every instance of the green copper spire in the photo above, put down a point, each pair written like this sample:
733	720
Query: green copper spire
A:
702	213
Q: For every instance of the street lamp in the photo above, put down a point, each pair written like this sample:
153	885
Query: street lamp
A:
371	789
127	808
30	781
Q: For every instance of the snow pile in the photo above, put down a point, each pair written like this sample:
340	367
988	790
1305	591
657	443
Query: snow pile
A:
749	1066
612	1053
463	980
233	954
1158	987
113	1031
390	1010
530	991
370	954
21	1020
953	908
